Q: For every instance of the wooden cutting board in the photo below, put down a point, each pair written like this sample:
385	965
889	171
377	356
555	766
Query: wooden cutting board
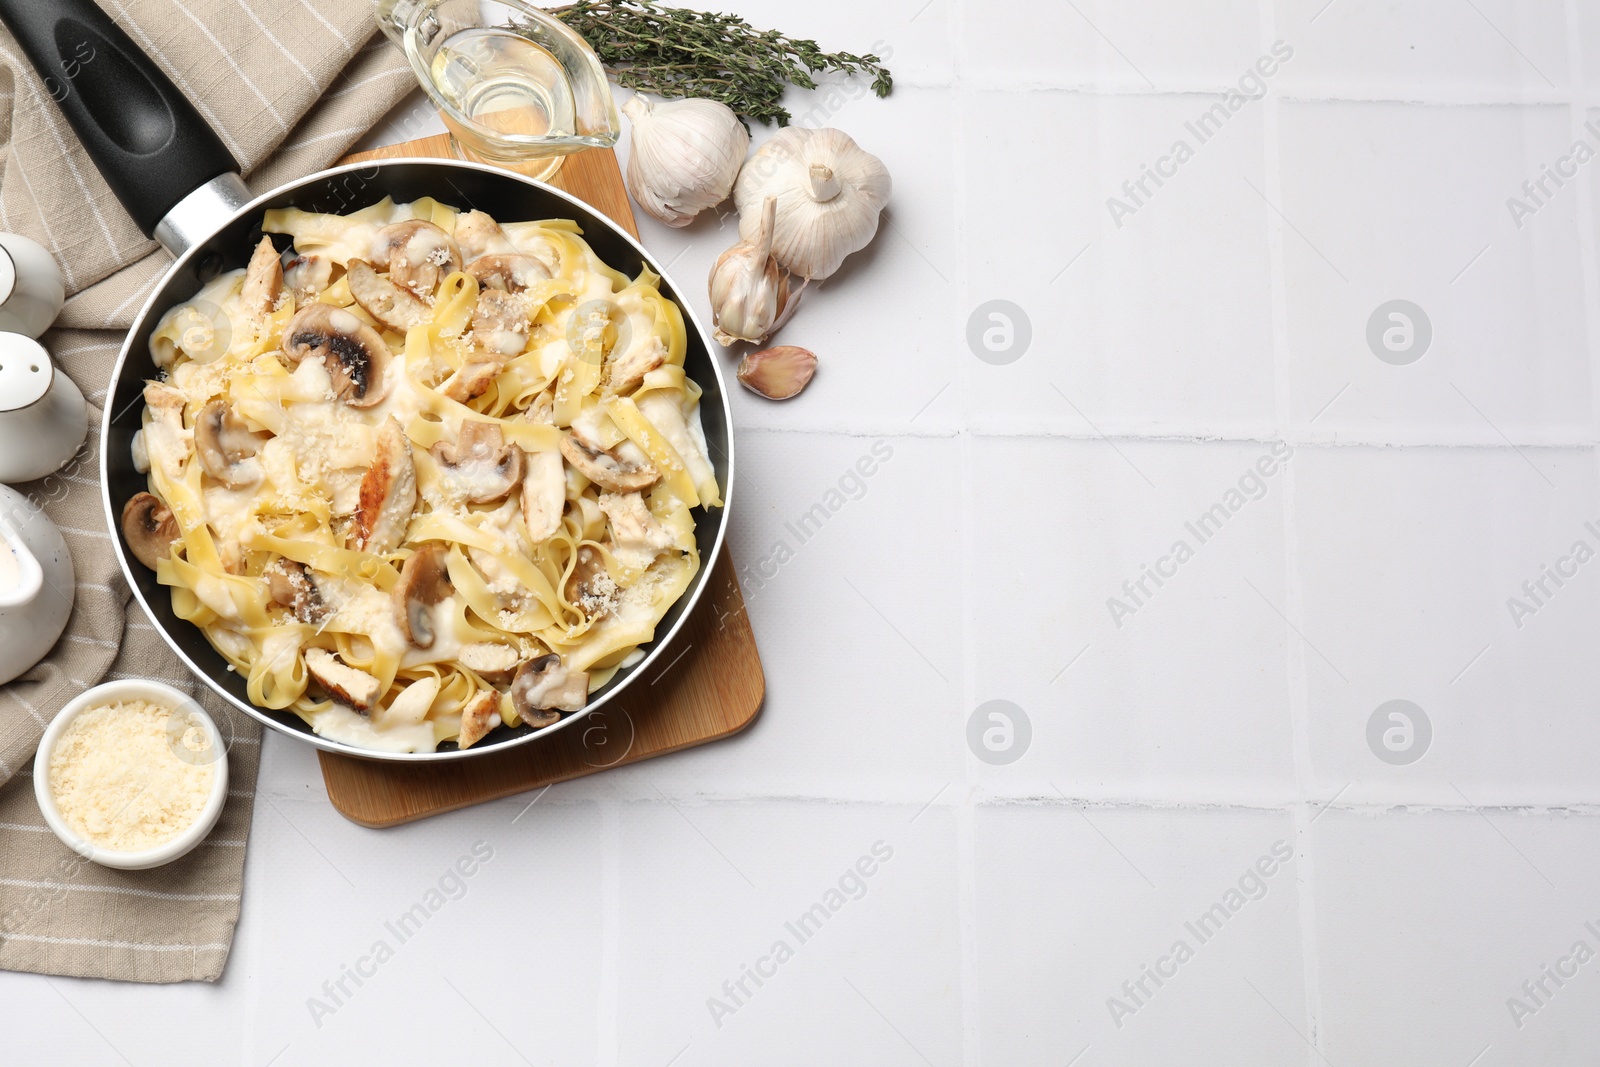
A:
714	688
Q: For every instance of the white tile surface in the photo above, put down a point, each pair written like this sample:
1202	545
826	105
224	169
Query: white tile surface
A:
1413	50
707	892
1178	690
1129	318
1226	314
1398	604
1417	222
1429	924
1072	904
1101	43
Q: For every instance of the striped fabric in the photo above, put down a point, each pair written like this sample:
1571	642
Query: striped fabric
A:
290	85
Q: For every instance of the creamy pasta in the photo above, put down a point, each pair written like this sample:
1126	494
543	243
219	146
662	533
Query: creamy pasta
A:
422	474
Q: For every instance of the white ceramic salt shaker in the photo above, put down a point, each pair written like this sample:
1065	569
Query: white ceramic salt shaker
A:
43	416
31	289
37	584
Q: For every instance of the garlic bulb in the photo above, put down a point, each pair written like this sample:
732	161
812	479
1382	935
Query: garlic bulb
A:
685	156
829	194
749	291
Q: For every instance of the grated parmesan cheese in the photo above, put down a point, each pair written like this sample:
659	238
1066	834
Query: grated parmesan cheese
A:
126	779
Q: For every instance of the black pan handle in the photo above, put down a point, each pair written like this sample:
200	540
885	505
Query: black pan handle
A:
144	135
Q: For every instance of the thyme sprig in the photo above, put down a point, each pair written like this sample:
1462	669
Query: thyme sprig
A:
676	52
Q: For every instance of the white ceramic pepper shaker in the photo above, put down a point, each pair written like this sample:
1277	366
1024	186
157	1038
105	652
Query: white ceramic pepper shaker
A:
43	416
31	290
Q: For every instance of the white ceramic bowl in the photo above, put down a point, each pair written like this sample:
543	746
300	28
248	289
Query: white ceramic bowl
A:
110	693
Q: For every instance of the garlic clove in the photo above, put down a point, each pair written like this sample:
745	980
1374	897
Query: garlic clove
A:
749	291
684	156
777	373
830	193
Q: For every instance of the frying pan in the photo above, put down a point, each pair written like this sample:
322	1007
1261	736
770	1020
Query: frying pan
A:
180	184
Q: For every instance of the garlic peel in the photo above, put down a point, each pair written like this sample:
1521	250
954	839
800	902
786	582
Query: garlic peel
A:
830	193
684	157
777	373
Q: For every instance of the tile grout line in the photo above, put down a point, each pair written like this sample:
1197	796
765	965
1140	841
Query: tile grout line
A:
966	871
1298	437
1301	93
1295	653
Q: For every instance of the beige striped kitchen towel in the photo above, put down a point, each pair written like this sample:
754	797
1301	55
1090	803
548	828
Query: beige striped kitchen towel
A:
289	85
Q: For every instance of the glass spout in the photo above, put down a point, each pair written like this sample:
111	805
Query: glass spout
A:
514	85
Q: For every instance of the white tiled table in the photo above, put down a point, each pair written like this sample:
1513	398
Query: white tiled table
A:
1174	747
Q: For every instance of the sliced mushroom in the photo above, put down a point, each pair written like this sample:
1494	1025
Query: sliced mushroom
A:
625	372
500	323
590	585
544	687
166	443
354	353
225	445
544	495
490	660
477	234
149	527
481	715
512	273
388	493
291	585
423	583
306	275
636	537
473	378
605	468
356	690
397	308
480	467
418	254
263	285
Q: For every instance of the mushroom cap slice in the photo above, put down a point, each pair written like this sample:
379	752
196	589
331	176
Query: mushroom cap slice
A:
605	468
263	284
490	660
291	585
149	527
306	275
512	273
478	718
500	323
356	690
479	467
424	582
477	235
544	687
388	493
397	308
223	444
418	254
354	353
590	586
544	495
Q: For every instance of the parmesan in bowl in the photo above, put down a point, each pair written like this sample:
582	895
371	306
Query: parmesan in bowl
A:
131	774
